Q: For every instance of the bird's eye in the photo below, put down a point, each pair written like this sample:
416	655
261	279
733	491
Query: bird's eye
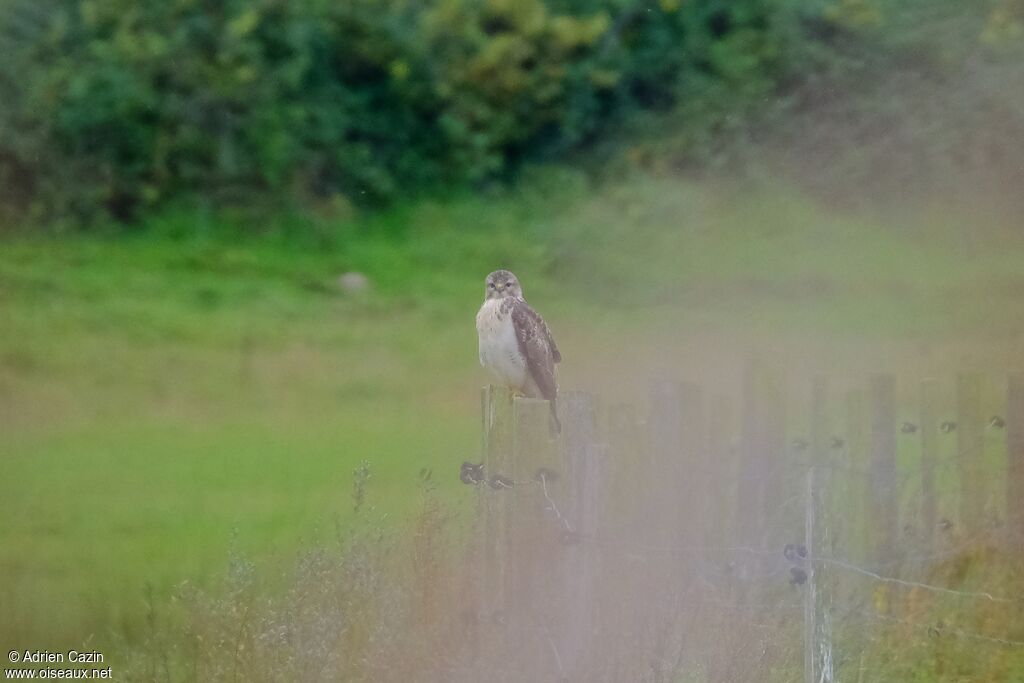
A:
491	285
508	284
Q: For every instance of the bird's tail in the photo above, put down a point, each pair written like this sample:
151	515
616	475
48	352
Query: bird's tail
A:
556	425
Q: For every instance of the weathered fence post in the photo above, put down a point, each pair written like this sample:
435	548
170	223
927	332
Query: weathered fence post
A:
1015	462
750	465
819	421
721	486
584	465
970	443
884	508
627	469
532	592
818	653
692	467
663	505
626	521
666	429
496	412
929	430
541	513
540	479
762	458
817	620
858	533
778	519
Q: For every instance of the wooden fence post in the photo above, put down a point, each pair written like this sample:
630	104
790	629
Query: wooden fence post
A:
884	508
667	518
496	404
776	487
1015	462
749	472
720	522
970	444
584	465
819	421
535	590
857	531
762	458
929	430
810	657
817	624
627	469
692	470
666	429
818	653
626	521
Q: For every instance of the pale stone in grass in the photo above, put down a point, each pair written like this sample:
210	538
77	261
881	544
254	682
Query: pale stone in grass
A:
353	282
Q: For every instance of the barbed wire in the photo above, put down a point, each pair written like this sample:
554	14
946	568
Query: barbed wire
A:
781	469
914	584
963	633
837	563
834	457
874	575
551	503
500	482
934	628
939	554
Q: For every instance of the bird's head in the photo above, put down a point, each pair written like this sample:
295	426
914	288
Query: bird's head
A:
502	284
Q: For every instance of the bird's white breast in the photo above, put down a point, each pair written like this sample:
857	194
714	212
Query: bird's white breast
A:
499	348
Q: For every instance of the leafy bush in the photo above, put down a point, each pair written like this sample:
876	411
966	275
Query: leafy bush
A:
857	102
113	107
907	96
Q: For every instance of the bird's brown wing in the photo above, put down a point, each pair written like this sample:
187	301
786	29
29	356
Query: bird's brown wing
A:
537	347
556	355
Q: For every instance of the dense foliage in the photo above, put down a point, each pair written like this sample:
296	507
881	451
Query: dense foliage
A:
110	107
117	105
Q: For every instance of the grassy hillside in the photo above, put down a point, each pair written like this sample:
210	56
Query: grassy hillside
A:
165	393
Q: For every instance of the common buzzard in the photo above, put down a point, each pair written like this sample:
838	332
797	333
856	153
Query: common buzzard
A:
515	342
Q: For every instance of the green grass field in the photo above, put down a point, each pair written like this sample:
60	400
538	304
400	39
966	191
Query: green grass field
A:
166	394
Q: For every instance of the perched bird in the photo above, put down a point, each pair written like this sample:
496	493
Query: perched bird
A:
947	427
996	422
908	428
515	342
